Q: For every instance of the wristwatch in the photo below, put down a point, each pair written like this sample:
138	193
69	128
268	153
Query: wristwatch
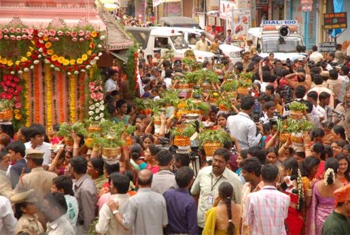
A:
115	212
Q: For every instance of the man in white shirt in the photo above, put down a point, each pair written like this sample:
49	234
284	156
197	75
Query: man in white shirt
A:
107	224
36	133
315	55
268	208
317	110
55	209
343	77
112	82
242	127
7	219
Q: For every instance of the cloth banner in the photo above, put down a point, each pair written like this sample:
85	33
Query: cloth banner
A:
338	7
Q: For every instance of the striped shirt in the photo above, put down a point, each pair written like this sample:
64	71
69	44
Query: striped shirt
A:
266	211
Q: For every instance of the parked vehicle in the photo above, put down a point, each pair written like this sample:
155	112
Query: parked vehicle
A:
160	38
268	39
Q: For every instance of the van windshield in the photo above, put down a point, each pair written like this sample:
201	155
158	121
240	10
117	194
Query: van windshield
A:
277	44
179	42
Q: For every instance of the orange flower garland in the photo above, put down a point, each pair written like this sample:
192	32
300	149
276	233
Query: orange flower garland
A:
36	94
48	89
82	95
27	103
60	97
72	97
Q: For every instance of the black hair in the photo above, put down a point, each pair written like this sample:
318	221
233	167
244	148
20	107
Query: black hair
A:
318	79
184	159
307	164
226	193
37	162
269	104
121	182
57	200
333	74
291	164
206	63
247	102
79	164
8	129
183	176
342	156
3	153
98	164
36	129
17	147
317	132
319	149
222	152
340	130
300	92
120	103
328	151
257	151
345	69
153	149
252	165
324	95
331	163
314	48
313	95
115	92
65	183
269	173
24	130
270	88
164	157
111	168
18	211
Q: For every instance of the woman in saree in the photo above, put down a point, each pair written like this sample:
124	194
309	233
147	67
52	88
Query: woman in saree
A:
223	219
323	202
293	187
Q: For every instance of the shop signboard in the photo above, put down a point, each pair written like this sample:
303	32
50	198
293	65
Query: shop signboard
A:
241	22
335	20
327	47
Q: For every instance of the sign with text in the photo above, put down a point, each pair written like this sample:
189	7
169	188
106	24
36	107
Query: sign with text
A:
335	20
327	47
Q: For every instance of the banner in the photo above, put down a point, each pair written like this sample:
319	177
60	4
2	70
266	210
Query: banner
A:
226	9
158	2
241	22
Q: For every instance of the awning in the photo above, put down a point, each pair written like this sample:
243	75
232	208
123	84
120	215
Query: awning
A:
122	55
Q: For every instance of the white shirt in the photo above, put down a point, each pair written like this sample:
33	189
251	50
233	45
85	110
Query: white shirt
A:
167	82
244	129
45	147
7	219
344	84
316	56
111	85
60	226
72	210
107	224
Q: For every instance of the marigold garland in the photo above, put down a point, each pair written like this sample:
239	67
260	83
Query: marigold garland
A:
82	95
48	88
60	97
27	103
72	97
36	94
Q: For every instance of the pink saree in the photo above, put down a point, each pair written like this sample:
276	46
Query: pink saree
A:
317	213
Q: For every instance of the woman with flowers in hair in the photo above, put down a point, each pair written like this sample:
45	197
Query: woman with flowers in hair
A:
293	186
322	203
223	218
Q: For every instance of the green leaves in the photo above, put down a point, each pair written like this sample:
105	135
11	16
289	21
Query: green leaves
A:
297	106
210	136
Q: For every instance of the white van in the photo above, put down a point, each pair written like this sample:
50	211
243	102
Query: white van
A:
192	35
268	39
161	38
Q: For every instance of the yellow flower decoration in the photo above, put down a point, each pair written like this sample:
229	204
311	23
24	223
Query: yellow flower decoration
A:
89	52
54	57
29	53
24	59
10	63
16	111
49	52
72	62
18	116
66	62
94	34
48	44
84	57
17	62
79	61
4	61
61	59
46	37
31	48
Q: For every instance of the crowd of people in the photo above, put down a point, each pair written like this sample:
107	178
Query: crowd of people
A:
255	184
